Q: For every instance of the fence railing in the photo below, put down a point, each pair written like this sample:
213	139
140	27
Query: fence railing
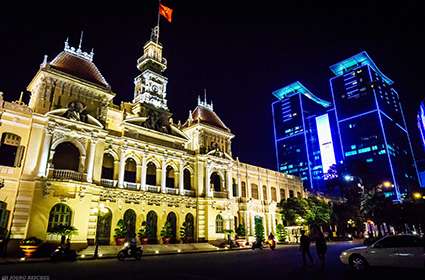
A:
64	174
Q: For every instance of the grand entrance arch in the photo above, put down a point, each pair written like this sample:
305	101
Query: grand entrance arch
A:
172	219
189	228
103	228
151	227
130	223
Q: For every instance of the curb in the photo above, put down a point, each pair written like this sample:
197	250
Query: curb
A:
79	258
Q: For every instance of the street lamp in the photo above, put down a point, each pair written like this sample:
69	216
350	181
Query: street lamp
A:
417	195
387	184
99	210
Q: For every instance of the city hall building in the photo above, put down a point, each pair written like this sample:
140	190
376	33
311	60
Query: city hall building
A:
71	152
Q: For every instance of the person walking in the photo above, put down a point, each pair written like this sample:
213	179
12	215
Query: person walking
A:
305	247
321	246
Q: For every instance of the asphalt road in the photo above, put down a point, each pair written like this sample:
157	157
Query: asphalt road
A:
282	263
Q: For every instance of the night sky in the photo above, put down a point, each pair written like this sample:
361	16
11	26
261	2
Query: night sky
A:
240	54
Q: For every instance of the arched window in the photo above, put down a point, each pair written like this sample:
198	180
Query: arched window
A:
66	157
234	187
187	180
219	224
265	193
151	174
10	150
130	171
60	214
282	194
169	182
215	181
103	228
291	193
108	167
172	219
130	222
254	191
273	189
243	189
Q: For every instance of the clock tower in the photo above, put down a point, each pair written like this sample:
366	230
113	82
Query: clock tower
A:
150	86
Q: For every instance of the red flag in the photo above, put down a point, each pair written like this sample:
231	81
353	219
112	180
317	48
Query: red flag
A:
165	12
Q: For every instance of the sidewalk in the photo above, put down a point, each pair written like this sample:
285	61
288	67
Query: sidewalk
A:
108	252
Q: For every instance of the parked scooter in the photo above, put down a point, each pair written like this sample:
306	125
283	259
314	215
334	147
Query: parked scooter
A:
63	254
130	251
257	244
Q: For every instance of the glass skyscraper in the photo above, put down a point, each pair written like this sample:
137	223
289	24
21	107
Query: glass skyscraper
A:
305	134
364	124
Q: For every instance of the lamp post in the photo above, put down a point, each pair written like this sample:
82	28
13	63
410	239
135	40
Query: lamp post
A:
98	210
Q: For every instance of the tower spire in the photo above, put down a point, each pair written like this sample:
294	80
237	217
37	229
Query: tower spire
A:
81	39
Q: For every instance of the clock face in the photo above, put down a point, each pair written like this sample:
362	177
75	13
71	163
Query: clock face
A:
155	88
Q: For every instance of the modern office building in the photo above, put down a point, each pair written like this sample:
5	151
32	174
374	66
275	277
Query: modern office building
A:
363	124
371	123
421	125
305	134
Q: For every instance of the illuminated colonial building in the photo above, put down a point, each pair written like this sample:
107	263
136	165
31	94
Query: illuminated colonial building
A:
71	151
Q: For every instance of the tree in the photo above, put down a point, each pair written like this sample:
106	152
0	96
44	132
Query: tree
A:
281	233
63	231
259	229
240	231
293	209
121	229
318	211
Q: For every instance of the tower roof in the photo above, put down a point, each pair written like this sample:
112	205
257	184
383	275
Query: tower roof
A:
296	88
205	114
357	60
78	64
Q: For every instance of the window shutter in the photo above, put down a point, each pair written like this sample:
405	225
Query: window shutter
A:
19	156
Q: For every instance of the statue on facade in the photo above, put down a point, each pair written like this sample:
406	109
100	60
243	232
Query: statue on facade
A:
76	111
157	121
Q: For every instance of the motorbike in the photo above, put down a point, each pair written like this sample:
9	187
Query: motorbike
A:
257	244
272	243
63	254
128	251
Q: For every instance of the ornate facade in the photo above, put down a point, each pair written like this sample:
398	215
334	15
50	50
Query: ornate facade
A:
71	151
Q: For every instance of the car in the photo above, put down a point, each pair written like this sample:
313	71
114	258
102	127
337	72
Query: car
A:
407	251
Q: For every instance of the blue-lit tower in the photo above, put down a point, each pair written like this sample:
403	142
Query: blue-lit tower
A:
371	124
305	134
421	125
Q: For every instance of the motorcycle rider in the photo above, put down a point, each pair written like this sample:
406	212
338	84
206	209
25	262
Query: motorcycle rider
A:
271	241
133	246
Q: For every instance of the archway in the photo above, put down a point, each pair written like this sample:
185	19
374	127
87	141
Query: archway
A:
66	157
60	214
187	181
169	182
103	228
189	228
108	167
215	181
151	174
130	222
172	219
130	171
151	226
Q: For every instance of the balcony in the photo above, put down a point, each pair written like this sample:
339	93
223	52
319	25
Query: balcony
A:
219	194
189	192
130	185
151	188
108	183
171	191
63	174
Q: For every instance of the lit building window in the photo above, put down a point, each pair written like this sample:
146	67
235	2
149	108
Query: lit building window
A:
59	215
219	224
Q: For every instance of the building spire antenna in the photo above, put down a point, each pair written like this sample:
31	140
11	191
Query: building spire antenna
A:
157	24
205	95
81	39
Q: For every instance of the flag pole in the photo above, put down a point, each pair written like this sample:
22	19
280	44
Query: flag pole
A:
157	24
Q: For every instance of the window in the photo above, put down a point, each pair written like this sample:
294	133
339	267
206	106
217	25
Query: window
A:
10	150
282	194
243	189
298	194
187	181
291	193
273	189
59	215
219	224
265	193
108	167
234	187
254	191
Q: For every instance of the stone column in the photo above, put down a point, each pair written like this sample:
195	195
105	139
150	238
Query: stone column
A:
163	175
144	166
181	177
138	175
121	170
229	184
42	168
90	163
248	187
207	182
260	189
278	198
239	187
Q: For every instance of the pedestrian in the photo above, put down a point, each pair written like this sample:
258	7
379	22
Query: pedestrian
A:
321	247
305	247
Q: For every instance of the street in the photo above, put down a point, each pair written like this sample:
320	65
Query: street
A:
283	263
